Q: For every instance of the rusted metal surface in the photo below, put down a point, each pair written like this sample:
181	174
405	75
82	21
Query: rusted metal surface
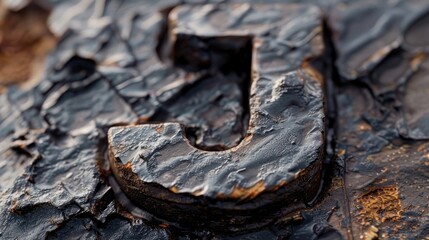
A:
380	117
179	67
278	163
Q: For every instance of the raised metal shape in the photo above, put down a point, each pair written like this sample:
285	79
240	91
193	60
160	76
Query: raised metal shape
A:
277	166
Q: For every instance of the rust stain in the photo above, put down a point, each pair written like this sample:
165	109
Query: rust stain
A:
142	120
341	152
281	184
417	60
163	225
174	189
364	127
423	148
379	205
198	192
241	193
160	128
246	140
128	166
306	65
248	193
370	233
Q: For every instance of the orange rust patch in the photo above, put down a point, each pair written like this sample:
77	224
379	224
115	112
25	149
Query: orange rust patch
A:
306	65
143	120
417	60
379	205
164	225
245	193
246	140
423	148
128	166
160	128
341	152
198	192
364	127
281	184
174	189
370	233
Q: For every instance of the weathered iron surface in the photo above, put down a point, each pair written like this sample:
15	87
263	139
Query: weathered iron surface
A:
278	163
109	69
381	115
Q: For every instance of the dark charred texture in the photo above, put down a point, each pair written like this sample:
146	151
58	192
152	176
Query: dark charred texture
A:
130	62
278	163
382	55
391	60
367	31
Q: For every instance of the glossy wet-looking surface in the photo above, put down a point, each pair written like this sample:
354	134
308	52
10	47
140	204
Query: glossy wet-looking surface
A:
375	179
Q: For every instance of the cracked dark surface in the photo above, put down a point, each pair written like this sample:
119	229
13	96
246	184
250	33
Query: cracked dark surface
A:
278	163
109	68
